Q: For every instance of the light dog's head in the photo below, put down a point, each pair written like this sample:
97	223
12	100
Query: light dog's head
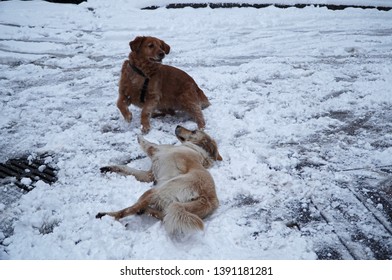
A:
150	48
201	139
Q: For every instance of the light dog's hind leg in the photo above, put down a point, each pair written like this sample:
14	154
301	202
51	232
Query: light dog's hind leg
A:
158	214
139	207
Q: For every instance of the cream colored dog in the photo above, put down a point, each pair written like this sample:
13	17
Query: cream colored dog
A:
184	191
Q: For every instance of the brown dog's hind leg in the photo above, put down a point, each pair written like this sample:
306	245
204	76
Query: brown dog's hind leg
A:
204	103
197	114
140	206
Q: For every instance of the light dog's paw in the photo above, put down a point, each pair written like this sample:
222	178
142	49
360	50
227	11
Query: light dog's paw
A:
100	215
106	169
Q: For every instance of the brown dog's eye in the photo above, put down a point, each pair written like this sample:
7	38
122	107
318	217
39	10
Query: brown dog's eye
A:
150	46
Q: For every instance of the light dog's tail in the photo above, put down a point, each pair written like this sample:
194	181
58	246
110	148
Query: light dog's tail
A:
179	220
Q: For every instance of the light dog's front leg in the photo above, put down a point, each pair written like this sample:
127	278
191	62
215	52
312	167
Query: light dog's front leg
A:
140	175
148	147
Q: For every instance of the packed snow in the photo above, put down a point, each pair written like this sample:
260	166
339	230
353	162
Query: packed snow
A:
284	85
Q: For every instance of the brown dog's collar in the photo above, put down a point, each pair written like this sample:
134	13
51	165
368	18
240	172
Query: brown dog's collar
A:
143	91
137	70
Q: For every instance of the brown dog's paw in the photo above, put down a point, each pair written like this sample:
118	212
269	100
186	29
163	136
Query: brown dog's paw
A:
100	215
128	118
145	129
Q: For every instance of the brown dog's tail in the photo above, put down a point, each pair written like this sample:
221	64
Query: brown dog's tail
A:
179	220
203	99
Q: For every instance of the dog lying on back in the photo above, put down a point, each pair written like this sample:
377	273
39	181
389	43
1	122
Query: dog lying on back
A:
146	83
184	191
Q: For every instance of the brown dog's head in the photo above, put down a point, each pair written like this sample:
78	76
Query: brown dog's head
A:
150	48
199	138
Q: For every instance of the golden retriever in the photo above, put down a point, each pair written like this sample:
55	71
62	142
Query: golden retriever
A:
148	84
184	191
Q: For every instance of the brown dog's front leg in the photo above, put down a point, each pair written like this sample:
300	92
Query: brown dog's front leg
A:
122	104
148	108
146	115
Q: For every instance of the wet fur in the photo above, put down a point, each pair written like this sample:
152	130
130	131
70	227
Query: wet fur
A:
169	88
184	191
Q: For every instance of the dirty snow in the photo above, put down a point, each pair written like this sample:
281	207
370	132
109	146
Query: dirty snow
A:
299	97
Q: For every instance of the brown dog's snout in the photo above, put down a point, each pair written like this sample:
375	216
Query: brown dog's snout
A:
161	54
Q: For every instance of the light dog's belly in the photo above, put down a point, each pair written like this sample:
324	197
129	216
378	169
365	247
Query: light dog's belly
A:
175	190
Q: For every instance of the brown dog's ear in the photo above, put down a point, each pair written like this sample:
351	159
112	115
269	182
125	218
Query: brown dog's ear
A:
165	47
136	43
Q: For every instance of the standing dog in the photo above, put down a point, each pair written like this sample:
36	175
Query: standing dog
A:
184	191
152	86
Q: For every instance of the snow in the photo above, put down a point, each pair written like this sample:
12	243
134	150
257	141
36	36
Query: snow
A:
161	3
283	84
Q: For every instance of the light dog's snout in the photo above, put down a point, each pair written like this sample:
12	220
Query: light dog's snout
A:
178	129
181	133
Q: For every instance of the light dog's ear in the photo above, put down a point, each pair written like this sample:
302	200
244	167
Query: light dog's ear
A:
216	154
211	148
165	47
136	43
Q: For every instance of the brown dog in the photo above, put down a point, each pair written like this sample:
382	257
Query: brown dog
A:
184	191
152	86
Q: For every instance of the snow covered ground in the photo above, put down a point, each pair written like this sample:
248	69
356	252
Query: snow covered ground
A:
301	110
